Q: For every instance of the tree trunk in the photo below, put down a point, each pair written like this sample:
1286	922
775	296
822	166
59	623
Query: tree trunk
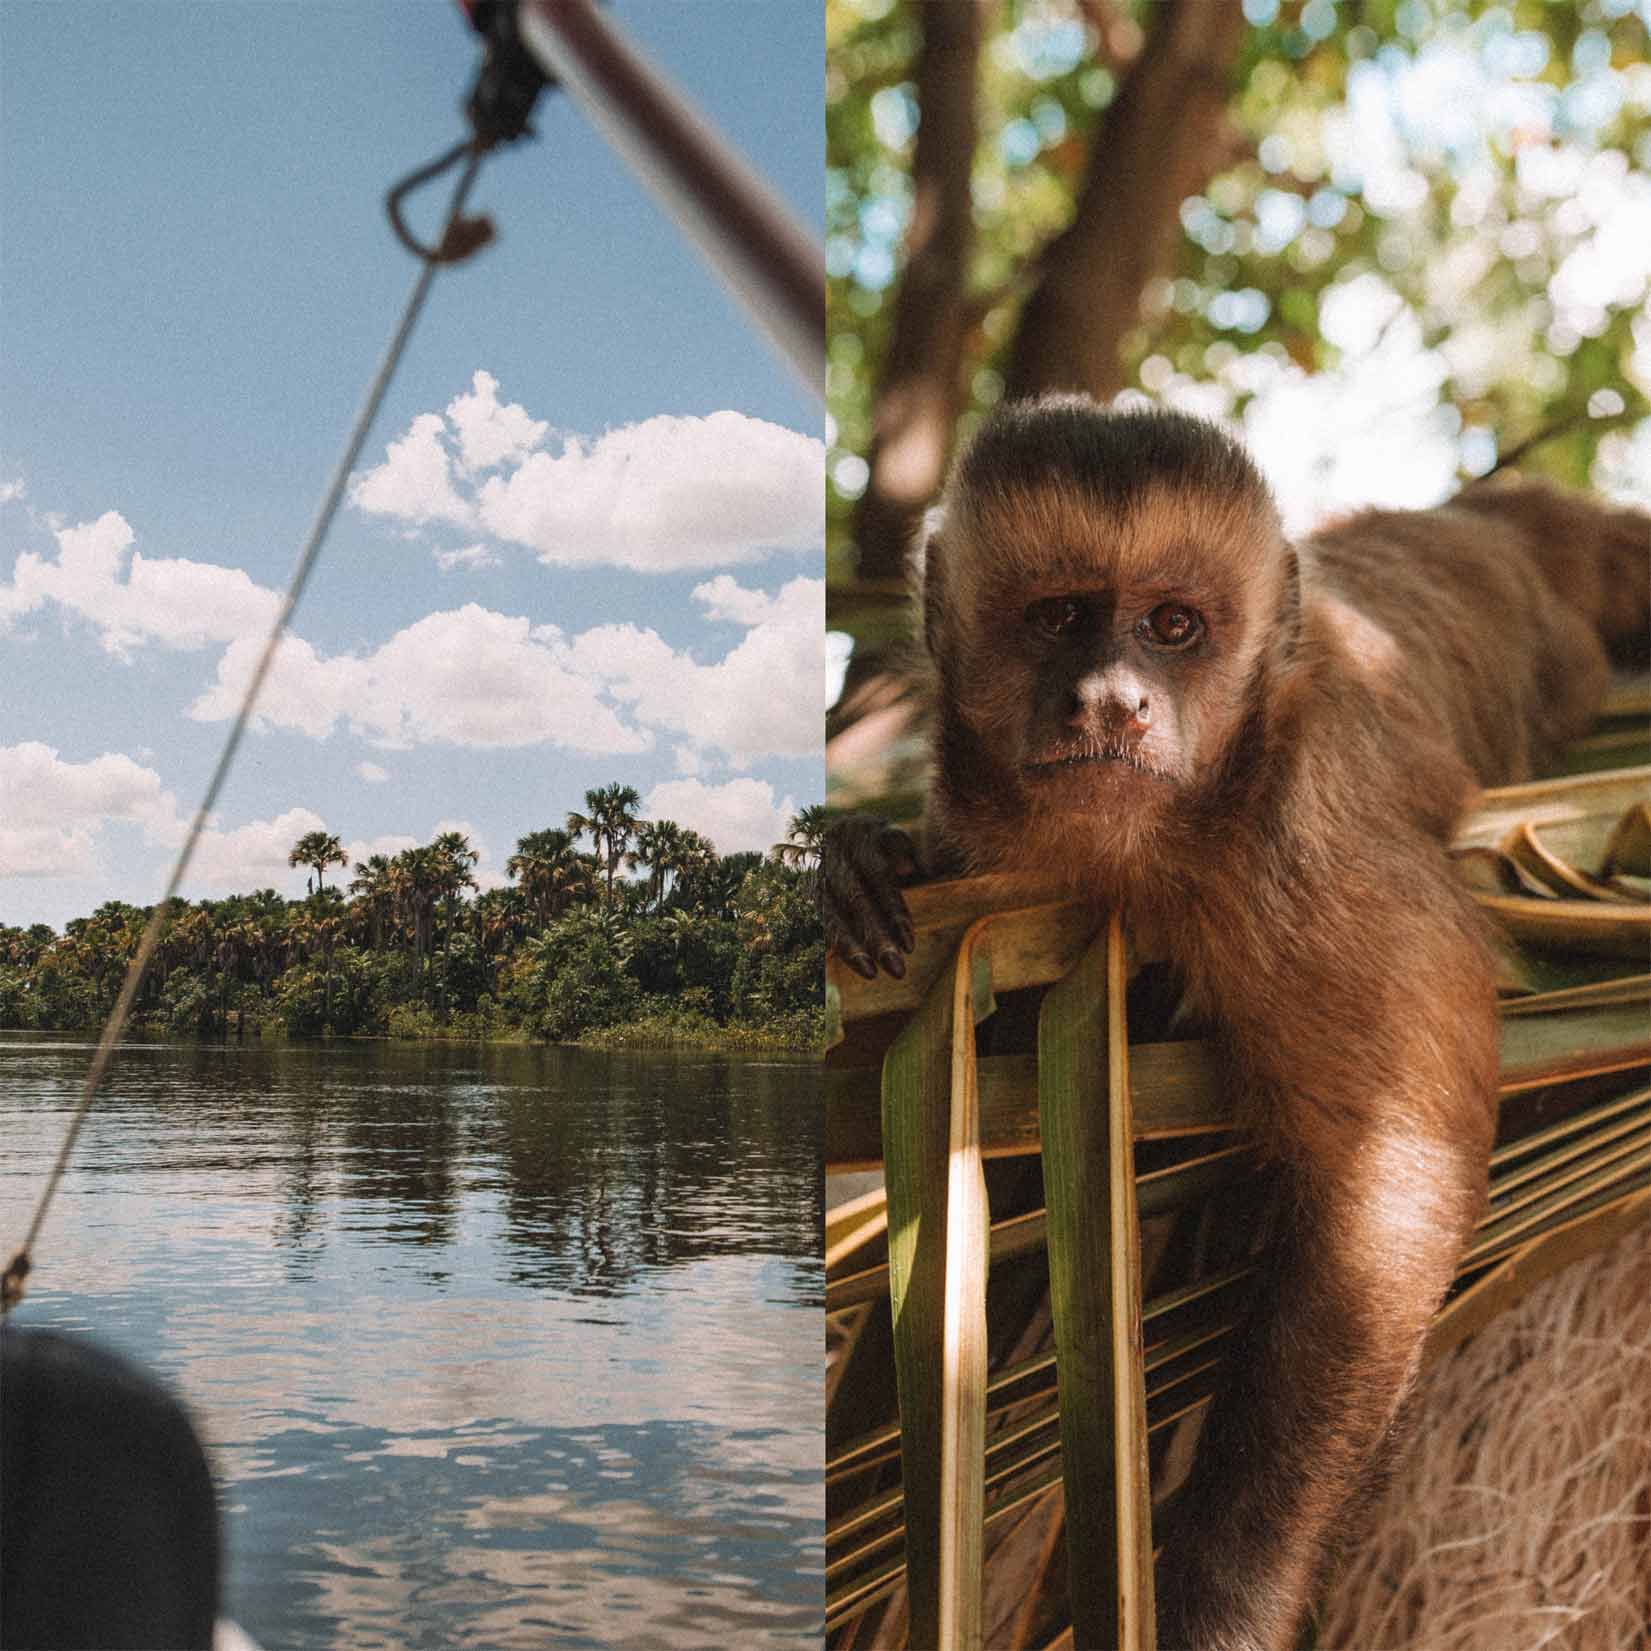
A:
1156	145
919	394
446	960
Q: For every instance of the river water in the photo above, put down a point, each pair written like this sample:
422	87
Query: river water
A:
490	1347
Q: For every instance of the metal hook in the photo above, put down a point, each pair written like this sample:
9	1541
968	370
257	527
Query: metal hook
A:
463	236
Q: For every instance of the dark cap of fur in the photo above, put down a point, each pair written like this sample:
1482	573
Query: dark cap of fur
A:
1070	441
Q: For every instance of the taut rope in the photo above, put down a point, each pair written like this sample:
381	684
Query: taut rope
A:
456	241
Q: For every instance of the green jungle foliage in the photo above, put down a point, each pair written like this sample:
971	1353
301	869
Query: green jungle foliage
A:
701	948
1481	248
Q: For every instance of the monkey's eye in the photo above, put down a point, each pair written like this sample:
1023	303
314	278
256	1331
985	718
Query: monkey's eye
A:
1171	626
1054	615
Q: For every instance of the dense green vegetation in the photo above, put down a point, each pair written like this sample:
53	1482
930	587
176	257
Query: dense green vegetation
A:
1207	254
700	948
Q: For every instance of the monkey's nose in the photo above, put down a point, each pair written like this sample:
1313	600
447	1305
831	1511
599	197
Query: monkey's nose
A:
1130	721
1119	707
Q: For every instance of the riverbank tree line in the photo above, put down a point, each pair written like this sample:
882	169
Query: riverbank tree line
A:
612	928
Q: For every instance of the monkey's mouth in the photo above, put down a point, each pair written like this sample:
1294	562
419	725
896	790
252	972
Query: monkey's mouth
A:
1055	764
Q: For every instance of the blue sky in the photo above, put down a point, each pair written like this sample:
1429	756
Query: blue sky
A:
584	544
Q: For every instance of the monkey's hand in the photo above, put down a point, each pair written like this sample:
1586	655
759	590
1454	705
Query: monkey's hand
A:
863	862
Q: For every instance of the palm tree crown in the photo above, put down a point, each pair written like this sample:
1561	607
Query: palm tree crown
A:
550	869
804	837
319	849
610	823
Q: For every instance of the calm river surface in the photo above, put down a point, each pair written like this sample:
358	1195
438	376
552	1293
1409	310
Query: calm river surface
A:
490	1347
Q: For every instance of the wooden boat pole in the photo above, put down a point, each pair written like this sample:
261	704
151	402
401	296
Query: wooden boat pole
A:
763	255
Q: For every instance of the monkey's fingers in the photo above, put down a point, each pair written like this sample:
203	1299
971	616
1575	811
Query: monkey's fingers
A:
866	921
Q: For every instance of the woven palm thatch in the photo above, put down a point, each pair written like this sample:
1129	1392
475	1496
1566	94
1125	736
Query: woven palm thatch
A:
1522	1513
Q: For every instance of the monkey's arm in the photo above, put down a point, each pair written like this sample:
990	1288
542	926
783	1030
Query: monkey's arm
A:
863	864
1305	1420
1382	1134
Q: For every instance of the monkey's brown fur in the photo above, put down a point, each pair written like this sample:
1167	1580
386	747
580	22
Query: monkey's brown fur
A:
1271	799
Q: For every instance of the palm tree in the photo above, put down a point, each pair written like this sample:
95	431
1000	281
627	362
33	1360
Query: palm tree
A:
319	849
316	932
804	839
192	935
236	952
266	914
102	944
646	853
610	824
455	858
374	890
499	918
718	884
418	875
659	848
696	860
398	880
548	866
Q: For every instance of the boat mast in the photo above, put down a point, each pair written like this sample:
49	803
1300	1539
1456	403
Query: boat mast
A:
770	263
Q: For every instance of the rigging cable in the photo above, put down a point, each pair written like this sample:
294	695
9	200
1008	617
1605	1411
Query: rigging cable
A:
459	237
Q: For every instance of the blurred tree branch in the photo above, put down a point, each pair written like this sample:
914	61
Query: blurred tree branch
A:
1162	136
919	394
1159	141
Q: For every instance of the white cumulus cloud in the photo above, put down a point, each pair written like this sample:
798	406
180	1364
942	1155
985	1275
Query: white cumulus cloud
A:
764	698
253	856
472	677
668	494
415	481
465	676
736	815
490	434
389	844
51	811
371	773
665	495
177	603
473	557
53	814
303	691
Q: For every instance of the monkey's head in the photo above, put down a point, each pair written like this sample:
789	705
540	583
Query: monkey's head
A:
1103	594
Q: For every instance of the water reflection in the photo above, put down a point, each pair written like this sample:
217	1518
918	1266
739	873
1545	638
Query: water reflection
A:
491	1348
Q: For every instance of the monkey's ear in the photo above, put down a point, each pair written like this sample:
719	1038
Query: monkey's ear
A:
926	566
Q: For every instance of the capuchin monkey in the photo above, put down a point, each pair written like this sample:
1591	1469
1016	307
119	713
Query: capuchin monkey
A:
1258	751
